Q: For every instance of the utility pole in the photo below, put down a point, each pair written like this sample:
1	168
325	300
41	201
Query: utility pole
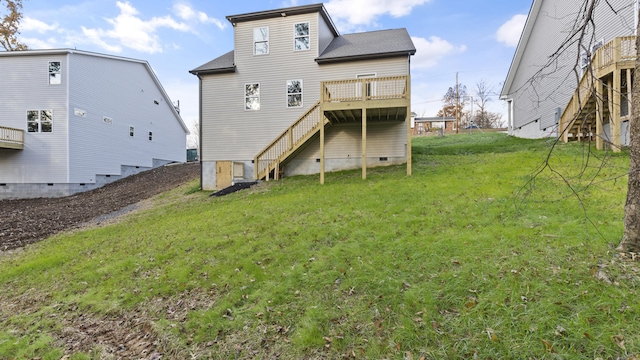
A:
457	102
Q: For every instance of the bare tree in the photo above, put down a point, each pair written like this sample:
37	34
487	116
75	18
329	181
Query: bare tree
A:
580	39
10	25
454	103
483	117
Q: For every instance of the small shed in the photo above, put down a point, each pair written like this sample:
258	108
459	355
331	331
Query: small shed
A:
423	125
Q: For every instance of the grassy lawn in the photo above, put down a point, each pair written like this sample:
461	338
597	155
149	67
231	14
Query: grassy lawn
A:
469	257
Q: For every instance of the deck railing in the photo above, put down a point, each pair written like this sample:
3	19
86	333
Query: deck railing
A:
363	89
288	141
617	50
11	138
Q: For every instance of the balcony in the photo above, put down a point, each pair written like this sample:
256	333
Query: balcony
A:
11	138
355	100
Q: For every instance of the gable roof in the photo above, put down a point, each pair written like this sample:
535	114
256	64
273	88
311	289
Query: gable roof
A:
368	45
289	11
522	45
120	58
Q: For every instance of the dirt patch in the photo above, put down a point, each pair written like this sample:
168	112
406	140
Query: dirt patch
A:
26	221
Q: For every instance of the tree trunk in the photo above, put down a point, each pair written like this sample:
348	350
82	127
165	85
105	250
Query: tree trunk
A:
631	238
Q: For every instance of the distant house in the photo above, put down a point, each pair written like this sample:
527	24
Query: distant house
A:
549	88
423	125
310	100
72	121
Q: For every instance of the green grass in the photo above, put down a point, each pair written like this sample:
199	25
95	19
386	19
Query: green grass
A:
470	256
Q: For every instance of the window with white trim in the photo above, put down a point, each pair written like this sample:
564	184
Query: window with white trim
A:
294	93
55	73
252	96
131	131
301	36
150	135
261	40
40	121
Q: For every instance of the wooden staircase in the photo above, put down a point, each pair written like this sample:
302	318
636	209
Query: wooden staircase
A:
267	163
600	96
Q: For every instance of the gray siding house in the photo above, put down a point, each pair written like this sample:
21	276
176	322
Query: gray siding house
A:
296	97
549	89
72	121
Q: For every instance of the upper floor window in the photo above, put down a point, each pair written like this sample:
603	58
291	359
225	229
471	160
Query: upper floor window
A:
55	74
301	36
252	96
39	120
294	93
261	40
132	131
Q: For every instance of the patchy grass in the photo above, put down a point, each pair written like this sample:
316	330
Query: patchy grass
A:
471	256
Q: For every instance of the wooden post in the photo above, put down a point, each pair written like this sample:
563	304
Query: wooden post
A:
599	115
364	143
321	147
615	118
408	84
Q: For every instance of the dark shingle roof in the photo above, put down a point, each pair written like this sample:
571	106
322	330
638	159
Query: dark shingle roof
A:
368	45
222	64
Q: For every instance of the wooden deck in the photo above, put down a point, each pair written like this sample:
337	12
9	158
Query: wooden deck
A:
11	138
354	100
603	95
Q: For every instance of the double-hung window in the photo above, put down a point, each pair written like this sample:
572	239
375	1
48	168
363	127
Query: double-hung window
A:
252	96
294	93
55	73
261	40
301	36
39	121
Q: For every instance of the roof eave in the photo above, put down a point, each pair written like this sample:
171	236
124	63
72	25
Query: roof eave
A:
363	57
522	44
196	72
290	11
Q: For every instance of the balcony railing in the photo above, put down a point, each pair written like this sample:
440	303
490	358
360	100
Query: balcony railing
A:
615	51
11	138
380	88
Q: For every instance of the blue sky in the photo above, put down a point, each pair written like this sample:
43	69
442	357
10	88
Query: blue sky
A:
476	38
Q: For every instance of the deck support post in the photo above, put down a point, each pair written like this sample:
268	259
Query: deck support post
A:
409	127
322	147
599	114
364	143
615	118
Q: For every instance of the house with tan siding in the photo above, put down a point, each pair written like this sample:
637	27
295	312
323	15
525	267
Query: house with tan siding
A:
309	99
72	121
563	85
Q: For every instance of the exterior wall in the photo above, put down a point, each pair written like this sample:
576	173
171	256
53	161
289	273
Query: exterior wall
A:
44	158
541	86
127	95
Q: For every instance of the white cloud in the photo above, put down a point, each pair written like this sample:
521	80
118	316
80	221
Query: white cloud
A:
430	51
363	12
31	24
129	30
187	13
509	33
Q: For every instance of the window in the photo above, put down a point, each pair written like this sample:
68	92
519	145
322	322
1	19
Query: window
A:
370	86
301	36
150	135
107	120
80	112
294	93
39	120
261	41
131	131
252	96
55	76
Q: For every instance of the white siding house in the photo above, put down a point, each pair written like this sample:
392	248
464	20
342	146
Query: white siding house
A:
282	60
82	120
550	61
